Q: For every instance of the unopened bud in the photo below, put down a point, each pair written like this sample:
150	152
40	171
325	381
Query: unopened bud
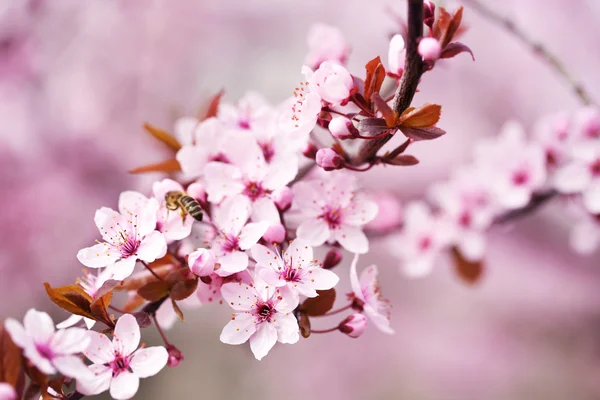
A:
354	325
283	198
201	262
329	159
333	258
275	234
430	49
342	128
428	13
310	150
175	356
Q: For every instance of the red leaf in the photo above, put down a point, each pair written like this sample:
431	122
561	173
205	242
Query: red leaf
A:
213	105
315	306
422	133
11	368
183	289
154	291
143	319
402	160
304	324
99	308
374	78
425	116
71	298
454	49
163	166
177	310
441	23
372	126
453	26
468	271
389	115
163	136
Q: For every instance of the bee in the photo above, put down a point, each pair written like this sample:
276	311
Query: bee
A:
188	205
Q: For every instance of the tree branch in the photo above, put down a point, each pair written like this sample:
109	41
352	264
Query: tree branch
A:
536	47
413	69
537	201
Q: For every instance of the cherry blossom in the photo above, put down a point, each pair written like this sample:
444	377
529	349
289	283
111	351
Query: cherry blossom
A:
396	55
367	295
209	288
332	210
251	113
326	43
329	159
128	235
582	175
48	349
332	82
302	111
552	133
420	241
296	268
7	392
263	315
119	364
341	128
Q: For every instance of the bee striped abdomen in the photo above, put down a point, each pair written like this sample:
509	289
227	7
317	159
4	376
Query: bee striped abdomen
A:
192	207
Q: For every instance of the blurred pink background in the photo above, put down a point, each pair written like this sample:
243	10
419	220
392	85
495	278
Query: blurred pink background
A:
78	79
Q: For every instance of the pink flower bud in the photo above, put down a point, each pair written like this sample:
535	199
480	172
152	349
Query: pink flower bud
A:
396	55
354	325
201	262
329	160
333	258
283	198
275	234
332	82
430	49
310	150
390	214
428	13
7	392
342	128
175	356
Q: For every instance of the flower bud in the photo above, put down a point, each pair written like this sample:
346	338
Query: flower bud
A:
275	234
7	392
428	13
201	262
354	325
332	82
430	49
310	150
283	198
329	159
333	258
342	128
175	356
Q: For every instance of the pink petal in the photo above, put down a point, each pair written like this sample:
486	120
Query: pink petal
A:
307	199
192	160
38	326
361	211
127	335
69	322
233	214
232	263
7	392
100	350
472	246
281	173
222	180
263	340
143	219
299	253
418	267
514	197
72	366
105	219
352	238
239	329
98	383
285	300
265	257
315	231
354	282
270	277
70	341
130	201
340	190
98	256
239	296
122	268
585	237
322	279
124	386
368	278
591	197
380	320
185	129
149	361
41	362
251	234
572	178
165	315
264	209
287	328
153	247
17	332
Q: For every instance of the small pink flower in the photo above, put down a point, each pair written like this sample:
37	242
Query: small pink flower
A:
582	175
119	364
366	292
587	125
209	288
585	235
396	55
430	49
50	350
128	236
553	133
390	215
296	269
302	111
201	262
326	43
263	315
332	82
341	128
169	222
329	159
252	112
332	210
354	325
7	392
275	234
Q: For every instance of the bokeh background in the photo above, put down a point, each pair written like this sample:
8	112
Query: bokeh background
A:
78	78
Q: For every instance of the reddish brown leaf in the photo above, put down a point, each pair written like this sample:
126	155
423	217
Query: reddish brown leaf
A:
163	136
154	291
453	26
177	310
11	368
398	150
454	49
71	298
441	23
304	324
57	384
168	166
213	105
108	286
134	301
389	115
143	319
422	133
402	160
372	126
183	289
36	376
319	305
360	101
138	280
425	116
374	78
468	271
99	308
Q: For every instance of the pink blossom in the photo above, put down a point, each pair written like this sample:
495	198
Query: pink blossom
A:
332	82
275	234
201	262
251	113
7	392
430	49
552	133
128	235
390	215
263	315
50	350
119	364
341	128
171	223
396	55
209	288
354	325
366	292
332	210
326	43
585	235
300	113
283	198
582	175
587	124
420	241
329	159
296	268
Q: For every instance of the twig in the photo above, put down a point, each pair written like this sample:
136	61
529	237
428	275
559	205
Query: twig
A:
150	269
537	201
409	81
536	47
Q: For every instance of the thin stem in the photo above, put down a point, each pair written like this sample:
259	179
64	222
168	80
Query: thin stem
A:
324	330
536	202
368	167
160	331
339	310
117	309
536	47
150	269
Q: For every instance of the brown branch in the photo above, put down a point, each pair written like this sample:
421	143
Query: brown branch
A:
413	69
536	47
536	202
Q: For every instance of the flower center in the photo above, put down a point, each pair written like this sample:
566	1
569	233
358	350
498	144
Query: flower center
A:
119	364
291	274
520	178
219	157
231	243
244	124
465	219
129	247
264	312
424	243
595	167
254	190
268	151
45	351
333	217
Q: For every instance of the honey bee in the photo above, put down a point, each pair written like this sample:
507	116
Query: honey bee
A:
187	205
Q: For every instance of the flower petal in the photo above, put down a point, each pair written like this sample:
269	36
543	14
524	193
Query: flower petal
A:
149	361
98	256
124	386
361	210
354	282
38	325
263	340
122	268
270	276
105	219
222	180
591	197
100	350
239	296
314	230
287	328
70	341
69	322
380	320
98	383
265	257
572	178
153	246
127	335
239	329
281	173
130	201
352	238
322	279
299	254
251	234
232	263
72	366
17	332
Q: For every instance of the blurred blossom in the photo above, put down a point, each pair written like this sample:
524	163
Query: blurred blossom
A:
326	43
